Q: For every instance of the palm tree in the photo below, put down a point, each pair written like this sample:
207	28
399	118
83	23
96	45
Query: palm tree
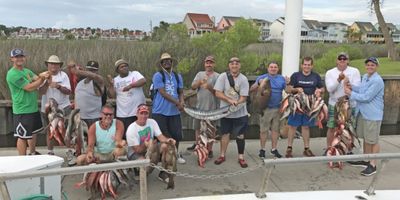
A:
376	6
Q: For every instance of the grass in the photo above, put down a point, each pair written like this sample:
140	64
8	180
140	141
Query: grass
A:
386	67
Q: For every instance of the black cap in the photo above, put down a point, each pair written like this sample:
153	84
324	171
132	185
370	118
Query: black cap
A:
92	65
373	60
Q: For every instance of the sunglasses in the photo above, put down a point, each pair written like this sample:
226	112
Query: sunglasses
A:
342	58
108	114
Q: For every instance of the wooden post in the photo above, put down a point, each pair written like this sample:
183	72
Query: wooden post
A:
143	183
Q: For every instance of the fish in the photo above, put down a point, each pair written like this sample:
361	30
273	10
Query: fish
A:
55	116
83	182
153	153
110	179
197	113
263	95
169	162
202	153
75	132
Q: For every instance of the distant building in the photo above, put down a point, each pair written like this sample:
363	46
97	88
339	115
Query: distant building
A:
198	24
337	31
226	22
365	32
263	27
394	31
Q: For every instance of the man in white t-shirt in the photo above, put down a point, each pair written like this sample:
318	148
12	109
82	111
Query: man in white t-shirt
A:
57	87
334	79
127	89
143	131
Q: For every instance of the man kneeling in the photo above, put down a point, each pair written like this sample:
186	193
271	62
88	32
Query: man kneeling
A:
105	142
140	137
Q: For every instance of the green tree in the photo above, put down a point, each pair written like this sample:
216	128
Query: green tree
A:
69	36
160	31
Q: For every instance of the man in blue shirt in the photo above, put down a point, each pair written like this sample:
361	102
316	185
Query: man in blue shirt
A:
270	117
168	100
369	111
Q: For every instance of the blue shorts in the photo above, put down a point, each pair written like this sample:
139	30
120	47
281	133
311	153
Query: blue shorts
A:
301	120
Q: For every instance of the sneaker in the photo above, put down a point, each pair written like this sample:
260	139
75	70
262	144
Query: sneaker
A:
50	153
180	159
242	163
262	153
289	153
276	154
360	163
370	170
191	148
210	154
163	177
308	153
72	162
219	160
34	153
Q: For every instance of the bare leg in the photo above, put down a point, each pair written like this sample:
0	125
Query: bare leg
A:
263	139
305	132
274	139
21	146
291	132
197	135
329	136
32	144
224	143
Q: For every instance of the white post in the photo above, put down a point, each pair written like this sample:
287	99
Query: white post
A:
291	37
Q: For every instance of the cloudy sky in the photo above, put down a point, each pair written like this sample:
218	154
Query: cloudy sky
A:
137	14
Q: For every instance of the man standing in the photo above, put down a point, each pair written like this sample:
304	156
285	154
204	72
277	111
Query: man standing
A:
105	142
270	118
88	92
23	84
204	82
310	83
232	88
128	91
369	111
334	85
168	100
58	88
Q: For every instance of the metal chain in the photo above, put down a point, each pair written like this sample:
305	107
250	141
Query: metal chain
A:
205	177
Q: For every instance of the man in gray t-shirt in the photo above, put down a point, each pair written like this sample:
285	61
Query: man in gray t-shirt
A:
204	82
235	123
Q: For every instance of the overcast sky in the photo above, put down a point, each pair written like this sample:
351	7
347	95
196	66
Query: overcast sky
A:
137	14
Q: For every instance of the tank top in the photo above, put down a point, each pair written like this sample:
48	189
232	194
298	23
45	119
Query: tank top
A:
87	101
105	142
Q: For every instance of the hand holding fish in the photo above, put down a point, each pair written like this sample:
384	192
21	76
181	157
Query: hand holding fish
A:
299	90
44	75
89	157
347	90
170	141
341	77
318	92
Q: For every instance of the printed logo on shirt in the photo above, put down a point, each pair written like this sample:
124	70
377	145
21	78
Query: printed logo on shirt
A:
307	82
145	134
170	87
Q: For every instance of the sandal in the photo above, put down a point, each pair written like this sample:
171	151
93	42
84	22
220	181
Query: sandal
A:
243	163
219	160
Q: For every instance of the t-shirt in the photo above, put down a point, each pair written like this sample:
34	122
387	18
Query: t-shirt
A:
62	99
241	85
137	135
23	102
336	89
205	99
278	84
160	104
127	102
309	83
87	100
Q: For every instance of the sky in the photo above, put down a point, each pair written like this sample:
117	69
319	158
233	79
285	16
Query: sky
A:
139	14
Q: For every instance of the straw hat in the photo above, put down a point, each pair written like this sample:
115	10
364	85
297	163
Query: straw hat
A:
165	56
120	62
54	59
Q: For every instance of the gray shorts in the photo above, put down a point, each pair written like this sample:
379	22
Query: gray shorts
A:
270	120
368	130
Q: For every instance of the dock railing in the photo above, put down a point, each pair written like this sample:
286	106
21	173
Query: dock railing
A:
78	170
271	163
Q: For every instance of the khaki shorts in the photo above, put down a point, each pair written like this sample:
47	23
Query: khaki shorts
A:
368	130
270	120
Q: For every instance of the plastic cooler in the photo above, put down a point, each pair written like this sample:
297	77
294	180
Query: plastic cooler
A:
20	188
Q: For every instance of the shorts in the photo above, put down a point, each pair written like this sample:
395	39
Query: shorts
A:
196	124
105	157
270	120
368	130
126	121
235	126
170	126
89	122
300	120
25	125
331	113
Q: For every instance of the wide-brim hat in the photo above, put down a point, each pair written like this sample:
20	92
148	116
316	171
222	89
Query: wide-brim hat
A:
120	62
165	56
54	59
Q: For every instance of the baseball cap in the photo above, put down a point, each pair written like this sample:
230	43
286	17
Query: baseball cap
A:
209	58
343	54
373	60
92	65
17	52
233	59
143	108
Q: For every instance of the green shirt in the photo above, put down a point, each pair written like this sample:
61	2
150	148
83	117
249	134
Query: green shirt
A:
23	102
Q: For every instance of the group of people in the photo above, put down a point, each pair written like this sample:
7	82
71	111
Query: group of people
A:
108	136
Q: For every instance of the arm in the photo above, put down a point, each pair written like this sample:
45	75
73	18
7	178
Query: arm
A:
254	87
96	77
110	89
119	132
139	149
38	81
91	139
372	91
138	83
331	82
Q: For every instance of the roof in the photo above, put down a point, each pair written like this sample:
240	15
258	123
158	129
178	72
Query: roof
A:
200	18
333	23
312	24
230	19
367	27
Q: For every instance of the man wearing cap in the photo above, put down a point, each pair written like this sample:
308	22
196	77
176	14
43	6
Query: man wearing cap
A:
105	143
23	84
143	131
57	87
369	111
235	123
168	100
334	79
308	82
204	82
128	91
89	92
270	118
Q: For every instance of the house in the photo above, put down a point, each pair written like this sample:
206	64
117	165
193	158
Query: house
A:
263	27
393	31
337	31
198	24
365	32
226	22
